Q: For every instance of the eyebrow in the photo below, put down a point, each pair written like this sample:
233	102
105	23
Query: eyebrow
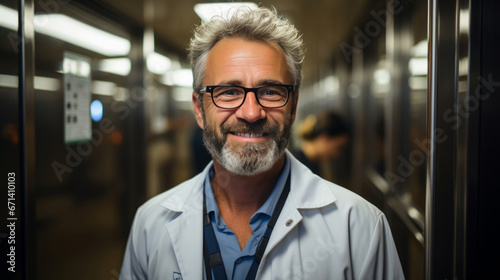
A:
260	83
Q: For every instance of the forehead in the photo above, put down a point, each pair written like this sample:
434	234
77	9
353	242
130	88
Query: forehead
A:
246	62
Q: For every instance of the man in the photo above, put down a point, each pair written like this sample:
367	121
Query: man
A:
255	212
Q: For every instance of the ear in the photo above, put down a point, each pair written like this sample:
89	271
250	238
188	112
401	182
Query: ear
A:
198	111
294	105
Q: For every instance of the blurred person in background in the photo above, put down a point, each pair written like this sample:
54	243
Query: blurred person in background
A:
324	136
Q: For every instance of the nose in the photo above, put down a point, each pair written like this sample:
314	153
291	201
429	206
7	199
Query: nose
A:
250	110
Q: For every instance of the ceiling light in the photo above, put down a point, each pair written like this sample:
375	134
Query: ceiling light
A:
382	76
464	21
420	49
158	64
8	18
47	84
75	66
418	66
182	94
119	66
104	88
41	83
418	83
80	34
8	81
331	85
180	78
208	10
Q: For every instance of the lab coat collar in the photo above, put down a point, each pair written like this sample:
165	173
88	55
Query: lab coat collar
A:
307	191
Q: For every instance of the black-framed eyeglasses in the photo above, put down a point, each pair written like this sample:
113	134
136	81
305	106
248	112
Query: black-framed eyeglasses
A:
232	97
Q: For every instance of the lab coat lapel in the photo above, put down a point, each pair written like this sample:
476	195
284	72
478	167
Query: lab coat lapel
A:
186	235
289	218
307	191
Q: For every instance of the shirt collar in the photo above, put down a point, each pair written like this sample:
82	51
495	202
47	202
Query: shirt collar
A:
266	208
211	204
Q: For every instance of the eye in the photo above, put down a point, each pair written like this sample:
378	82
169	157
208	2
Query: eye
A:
228	92
273	92
269	91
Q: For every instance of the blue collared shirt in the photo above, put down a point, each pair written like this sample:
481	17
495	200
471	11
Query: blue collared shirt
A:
237	262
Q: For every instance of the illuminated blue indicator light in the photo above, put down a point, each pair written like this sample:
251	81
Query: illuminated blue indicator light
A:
96	110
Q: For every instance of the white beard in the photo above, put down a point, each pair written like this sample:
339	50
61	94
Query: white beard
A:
250	159
247	158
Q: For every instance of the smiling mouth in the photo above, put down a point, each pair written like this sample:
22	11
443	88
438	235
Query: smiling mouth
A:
249	135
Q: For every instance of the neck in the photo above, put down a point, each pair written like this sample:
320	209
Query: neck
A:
244	194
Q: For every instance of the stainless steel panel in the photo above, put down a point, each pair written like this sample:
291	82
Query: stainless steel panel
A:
441	184
431	115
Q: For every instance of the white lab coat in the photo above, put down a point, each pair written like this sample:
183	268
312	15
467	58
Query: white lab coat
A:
323	232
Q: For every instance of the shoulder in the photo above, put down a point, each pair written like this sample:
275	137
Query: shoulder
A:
312	191
357	213
349	200
151	229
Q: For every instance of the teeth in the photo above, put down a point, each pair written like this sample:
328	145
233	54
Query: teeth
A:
250	135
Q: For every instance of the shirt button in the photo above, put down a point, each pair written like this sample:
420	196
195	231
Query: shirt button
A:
238	260
289	222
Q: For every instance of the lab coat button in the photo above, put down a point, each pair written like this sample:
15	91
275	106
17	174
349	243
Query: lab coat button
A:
289	222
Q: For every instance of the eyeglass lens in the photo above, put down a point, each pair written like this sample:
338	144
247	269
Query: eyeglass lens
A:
231	97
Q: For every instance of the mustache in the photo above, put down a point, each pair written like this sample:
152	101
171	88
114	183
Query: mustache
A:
242	126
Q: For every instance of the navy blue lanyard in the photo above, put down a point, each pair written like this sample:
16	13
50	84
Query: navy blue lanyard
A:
211	251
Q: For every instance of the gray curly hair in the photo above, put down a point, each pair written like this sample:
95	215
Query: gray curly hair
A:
255	24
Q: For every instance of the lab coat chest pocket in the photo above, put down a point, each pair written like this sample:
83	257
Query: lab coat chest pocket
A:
284	261
312	250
